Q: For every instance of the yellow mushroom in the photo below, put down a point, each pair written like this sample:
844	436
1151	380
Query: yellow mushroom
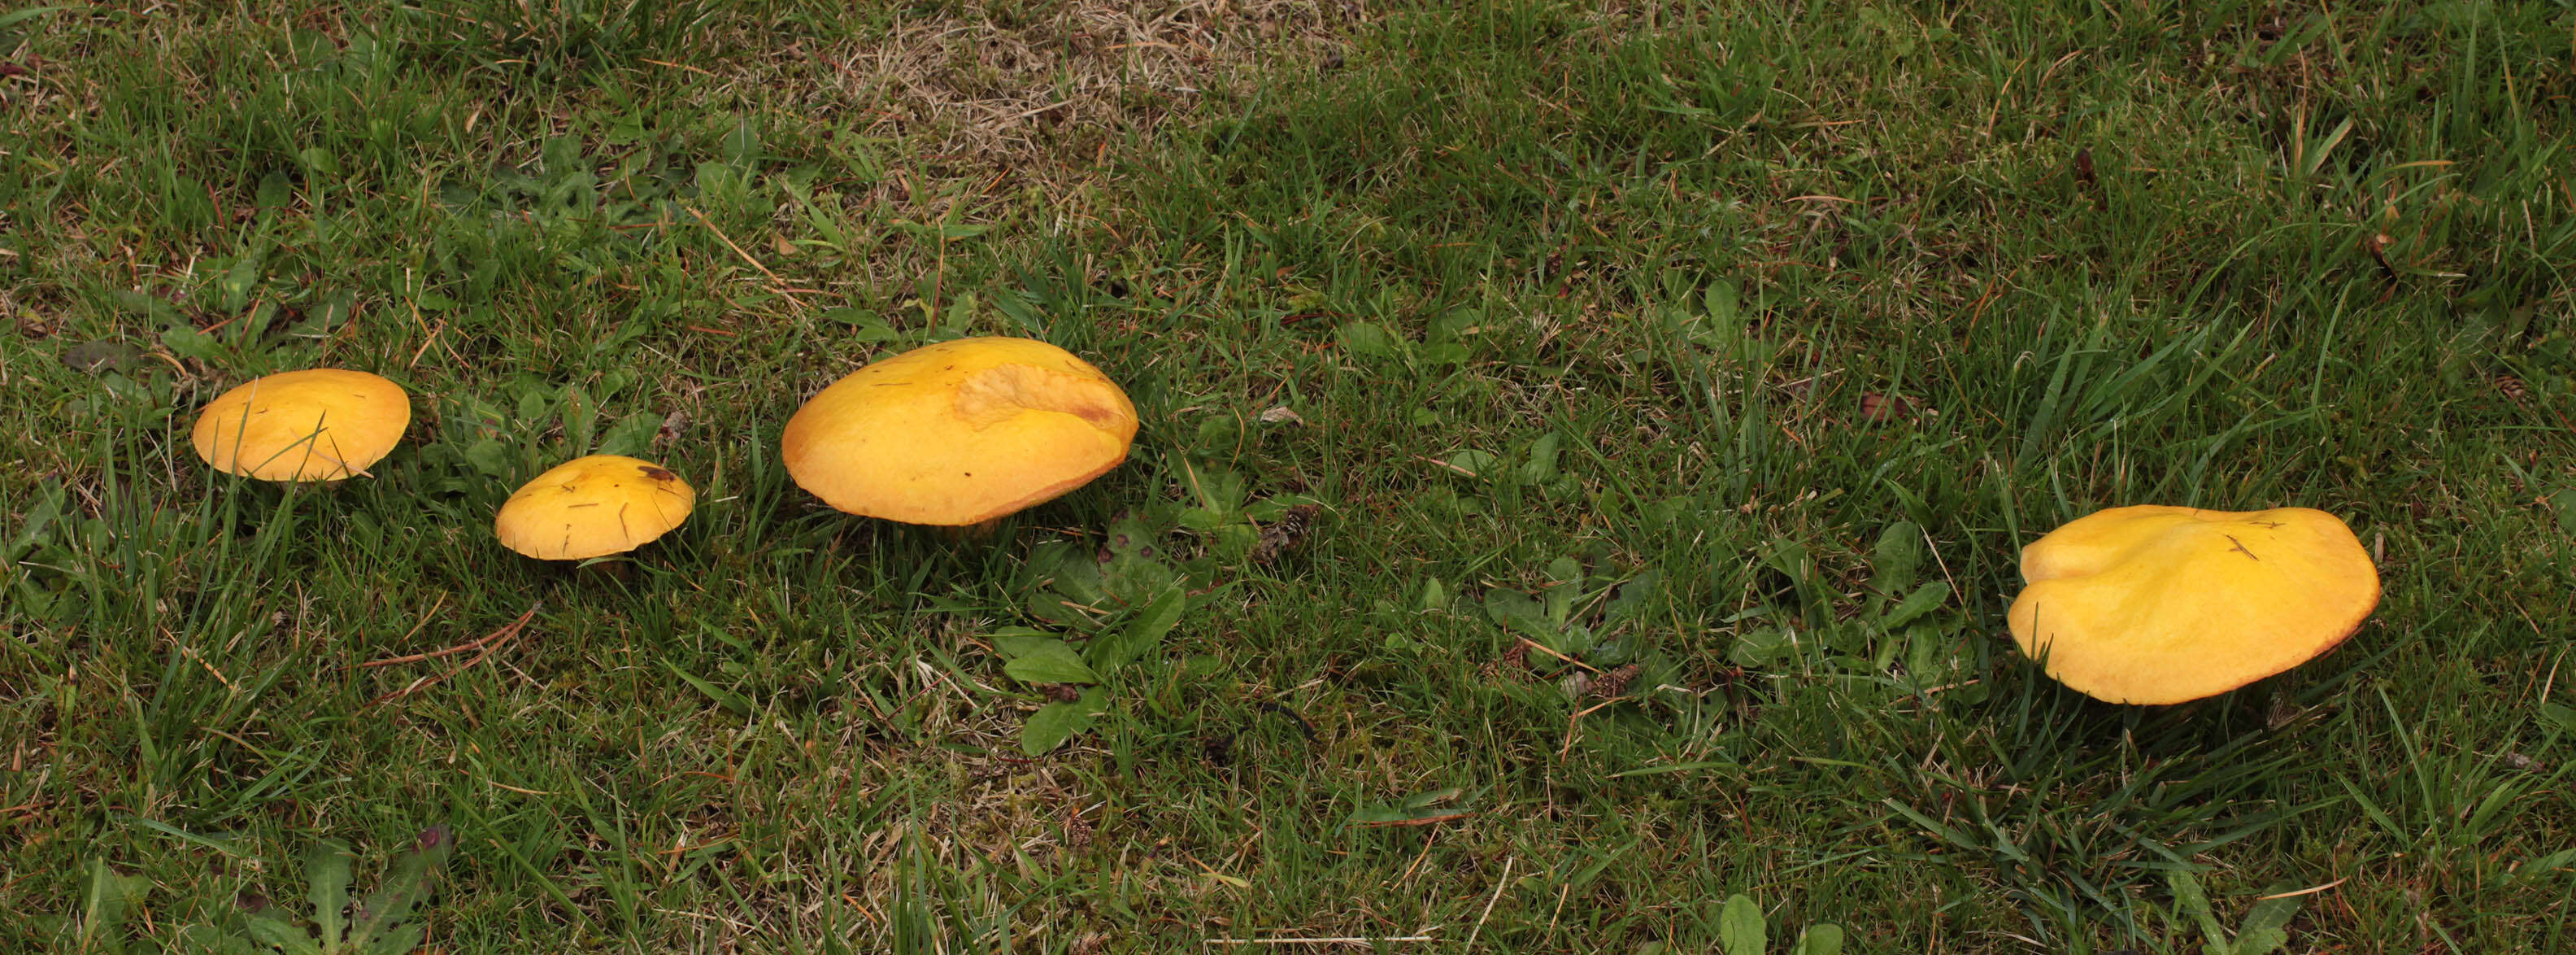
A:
959	433
2153	604
319	424
591	507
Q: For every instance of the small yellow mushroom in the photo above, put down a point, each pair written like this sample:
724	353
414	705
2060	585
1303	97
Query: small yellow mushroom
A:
591	507
2153	604
320	424
959	433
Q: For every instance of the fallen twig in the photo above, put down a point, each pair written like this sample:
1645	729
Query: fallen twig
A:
1499	885
501	634
490	642
1542	648
776	284
1416	821
1575	721
1334	940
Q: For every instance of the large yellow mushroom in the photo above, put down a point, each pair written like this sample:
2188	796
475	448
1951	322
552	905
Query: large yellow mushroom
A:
592	507
959	433
2153	604
320	424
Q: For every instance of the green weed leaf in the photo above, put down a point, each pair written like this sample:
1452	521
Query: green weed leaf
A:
1632	596
1134	574
2267	926
2558	715
315	159
1761	647
271	928
1538	466
1435	595
1055	723
147	306
380	920
1472	463
399	940
1050	662
2543	867
1739	927
2564	502
2263	941
275	191
1016	642
1923	600
1518	612
266	925
1893	562
1072	592
491	457
110	897
1143	633
1823	938
631	435
186	341
1369	340
326	869
2192	903
238	282
209	940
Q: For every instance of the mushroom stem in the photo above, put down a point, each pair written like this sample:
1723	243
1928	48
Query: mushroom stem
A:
961	533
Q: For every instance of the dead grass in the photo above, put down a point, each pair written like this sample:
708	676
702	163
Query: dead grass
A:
1002	114
1042	93
1018	89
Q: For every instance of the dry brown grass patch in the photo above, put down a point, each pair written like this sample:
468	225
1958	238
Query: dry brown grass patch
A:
1018	85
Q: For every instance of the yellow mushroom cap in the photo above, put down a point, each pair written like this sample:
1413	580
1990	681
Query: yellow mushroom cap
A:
960	432
314	425
588	507
2153	604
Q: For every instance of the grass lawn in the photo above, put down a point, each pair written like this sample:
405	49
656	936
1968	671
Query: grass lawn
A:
1726	353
